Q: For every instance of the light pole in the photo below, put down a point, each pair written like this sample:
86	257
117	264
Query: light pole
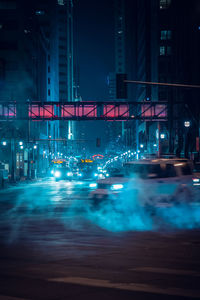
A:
187	125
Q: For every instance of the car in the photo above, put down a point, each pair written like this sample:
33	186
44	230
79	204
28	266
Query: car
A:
156	182
63	173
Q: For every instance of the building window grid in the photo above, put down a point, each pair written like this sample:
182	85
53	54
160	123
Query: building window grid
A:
165	50
165	35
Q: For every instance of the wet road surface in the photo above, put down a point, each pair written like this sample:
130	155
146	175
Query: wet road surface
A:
51	248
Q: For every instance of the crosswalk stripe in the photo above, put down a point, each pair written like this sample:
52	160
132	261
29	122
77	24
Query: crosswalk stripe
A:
3	297
136	287
166	271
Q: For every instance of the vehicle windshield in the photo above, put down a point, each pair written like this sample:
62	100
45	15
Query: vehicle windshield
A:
63	169
146	171
186	169
116	172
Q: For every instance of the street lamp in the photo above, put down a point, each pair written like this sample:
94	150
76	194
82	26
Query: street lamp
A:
187	124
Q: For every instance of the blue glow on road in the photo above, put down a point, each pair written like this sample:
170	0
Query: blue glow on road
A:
65	203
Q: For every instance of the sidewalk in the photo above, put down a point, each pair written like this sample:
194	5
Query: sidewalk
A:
23	180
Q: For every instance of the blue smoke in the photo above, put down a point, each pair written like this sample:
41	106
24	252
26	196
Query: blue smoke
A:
126	212
137	210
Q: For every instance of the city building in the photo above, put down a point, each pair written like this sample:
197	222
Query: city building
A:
158	41
36	64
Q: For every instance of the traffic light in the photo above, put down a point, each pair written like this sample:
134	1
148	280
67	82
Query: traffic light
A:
98	142
121	86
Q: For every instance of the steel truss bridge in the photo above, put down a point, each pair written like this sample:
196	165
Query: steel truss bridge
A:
84	111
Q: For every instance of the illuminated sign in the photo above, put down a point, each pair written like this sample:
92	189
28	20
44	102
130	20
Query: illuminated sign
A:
57	161
86	161
97	156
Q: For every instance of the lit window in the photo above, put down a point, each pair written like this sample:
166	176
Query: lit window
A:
169	50
60	2
162	50
165	34
164	4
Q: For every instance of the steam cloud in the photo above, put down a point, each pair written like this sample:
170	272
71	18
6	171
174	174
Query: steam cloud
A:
131	211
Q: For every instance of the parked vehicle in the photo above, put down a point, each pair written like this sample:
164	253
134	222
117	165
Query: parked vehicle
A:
157	182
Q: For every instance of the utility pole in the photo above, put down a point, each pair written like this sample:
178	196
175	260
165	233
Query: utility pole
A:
12	145
28	170
170	121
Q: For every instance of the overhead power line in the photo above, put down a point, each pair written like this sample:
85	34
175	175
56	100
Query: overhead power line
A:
164	84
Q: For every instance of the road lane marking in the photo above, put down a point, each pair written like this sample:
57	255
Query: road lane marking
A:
166	271
136	287
3	297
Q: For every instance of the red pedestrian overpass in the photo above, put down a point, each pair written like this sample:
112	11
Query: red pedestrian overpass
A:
84	111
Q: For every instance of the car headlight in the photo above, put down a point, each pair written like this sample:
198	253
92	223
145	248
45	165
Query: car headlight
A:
196	181
69	174
116	187
57	174
93	185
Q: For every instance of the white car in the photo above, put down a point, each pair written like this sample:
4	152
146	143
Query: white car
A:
157	182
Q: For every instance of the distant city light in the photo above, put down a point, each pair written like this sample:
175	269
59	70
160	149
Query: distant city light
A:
155	145
162	136
187	123
39	12
141	146
20	143
35	146
4	143
21	147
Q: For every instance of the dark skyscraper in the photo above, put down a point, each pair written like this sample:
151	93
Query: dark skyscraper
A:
36	64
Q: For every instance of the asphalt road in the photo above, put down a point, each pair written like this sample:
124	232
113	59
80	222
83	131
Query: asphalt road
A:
53	247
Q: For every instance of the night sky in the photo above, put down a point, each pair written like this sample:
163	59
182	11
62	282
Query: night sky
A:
94	56
94	46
